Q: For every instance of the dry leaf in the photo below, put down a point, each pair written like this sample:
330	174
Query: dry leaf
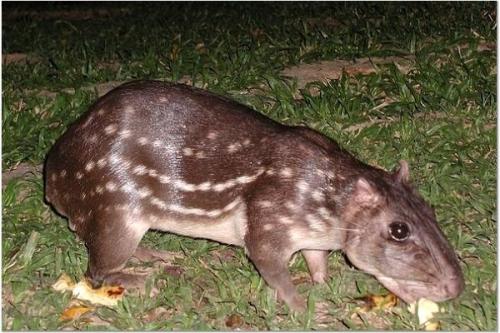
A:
234	321
379	302
74	312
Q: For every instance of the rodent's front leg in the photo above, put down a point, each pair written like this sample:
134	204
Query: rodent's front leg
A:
111	240
270	252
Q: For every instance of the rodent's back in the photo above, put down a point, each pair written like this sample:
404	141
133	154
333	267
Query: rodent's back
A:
147	136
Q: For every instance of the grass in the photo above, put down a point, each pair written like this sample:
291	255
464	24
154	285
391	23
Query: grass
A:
443	115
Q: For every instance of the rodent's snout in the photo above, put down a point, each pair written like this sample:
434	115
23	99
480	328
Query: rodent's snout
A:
454	286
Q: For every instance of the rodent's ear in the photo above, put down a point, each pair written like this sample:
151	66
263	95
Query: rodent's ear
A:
364	194
402	175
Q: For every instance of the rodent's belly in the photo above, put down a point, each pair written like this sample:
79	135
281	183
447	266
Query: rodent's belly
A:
228	228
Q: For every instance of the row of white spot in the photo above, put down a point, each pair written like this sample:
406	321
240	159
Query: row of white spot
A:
161	204
318	221
112	129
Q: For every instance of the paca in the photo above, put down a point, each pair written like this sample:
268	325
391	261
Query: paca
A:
153	155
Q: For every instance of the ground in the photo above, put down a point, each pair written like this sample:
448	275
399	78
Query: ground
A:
388	81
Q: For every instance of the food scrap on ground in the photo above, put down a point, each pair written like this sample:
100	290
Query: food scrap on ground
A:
106	295
425	310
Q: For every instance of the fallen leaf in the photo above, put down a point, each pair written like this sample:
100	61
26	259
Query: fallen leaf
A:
74	312
325	71
379	302
234	321
173	270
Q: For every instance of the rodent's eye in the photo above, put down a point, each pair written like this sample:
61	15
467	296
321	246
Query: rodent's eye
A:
399	231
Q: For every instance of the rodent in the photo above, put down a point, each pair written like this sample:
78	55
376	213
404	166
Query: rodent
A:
156	155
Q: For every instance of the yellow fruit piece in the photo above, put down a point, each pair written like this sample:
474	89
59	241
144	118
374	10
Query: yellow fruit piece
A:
64	283
425	310
74	312
106	295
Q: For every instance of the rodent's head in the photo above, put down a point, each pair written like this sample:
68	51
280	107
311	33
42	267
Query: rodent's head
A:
398	240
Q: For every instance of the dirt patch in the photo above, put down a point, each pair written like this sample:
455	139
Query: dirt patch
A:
20	59
19	171
100	88
325	71
71	15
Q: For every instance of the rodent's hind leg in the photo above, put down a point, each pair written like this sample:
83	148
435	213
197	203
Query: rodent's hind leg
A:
111	241
317	262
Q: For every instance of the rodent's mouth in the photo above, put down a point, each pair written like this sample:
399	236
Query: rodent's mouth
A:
410	291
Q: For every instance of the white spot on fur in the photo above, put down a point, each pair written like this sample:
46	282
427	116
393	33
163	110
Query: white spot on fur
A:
93	138
140	170
157	143
318	196
164	179
268	227
142	141
204	186
200	154
88	121
79	175
163	99
158	203
53	177
188	211
315	223
327	216
63	173
212	135
246	142
99	189
83	195
144	192
183	186
153	173
129	109
223	186
89	166
286	172
127	188
292	206
124	134
302	186
285	220
187	151
245	179
270	172
110	129
265	204
234	147
101	163
111	187
100	112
